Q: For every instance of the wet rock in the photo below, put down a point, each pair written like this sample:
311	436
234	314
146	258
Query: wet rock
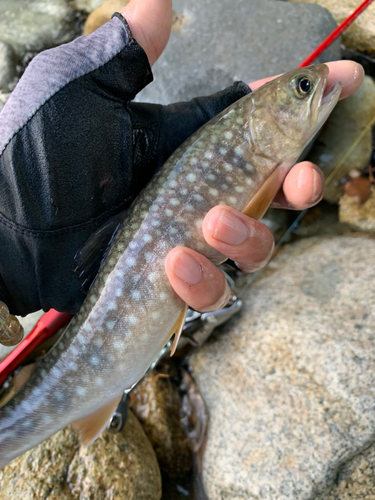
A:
258	39
360	216
361	34
8	63
321	220
289	383
114	466
103	14
35	25
156	402
343	128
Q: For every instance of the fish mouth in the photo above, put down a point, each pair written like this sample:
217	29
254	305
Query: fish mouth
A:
328	101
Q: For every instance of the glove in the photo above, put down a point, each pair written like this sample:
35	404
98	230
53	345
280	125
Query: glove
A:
74	151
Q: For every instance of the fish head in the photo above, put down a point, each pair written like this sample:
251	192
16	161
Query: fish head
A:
289	110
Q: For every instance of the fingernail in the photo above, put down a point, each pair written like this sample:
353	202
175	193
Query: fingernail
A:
222	302
186	268
230	229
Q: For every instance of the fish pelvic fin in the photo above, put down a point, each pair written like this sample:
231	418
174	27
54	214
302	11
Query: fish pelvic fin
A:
89	428
177	328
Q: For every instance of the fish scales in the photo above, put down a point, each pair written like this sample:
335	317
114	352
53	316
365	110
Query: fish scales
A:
131	309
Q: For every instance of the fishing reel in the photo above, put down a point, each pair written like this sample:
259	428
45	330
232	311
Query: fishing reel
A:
11	330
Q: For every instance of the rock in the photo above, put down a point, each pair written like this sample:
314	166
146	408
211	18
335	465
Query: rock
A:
8	63
343	128
258	39
86	6
289	383
321	220
356	480
156	402
35	25
103	14
359	216
361	34
3	99
114	466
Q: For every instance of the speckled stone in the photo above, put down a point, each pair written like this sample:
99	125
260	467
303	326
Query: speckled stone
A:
359	216
344	126
289	384
8	63
156	402
120	466
214	44
356	479
361	34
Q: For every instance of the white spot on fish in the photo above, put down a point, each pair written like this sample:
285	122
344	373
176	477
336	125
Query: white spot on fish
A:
172	230
249	167
174	201
111	305
110	325
136	294
239	189
240	120
228	167
98	341
184	191
94	360
189	208
163	296
148	256
232	199
209	155
147	238
172	184
213	191
155	315
198	197
249	182
132	320
205	164
222	151
238	150
191	177
81	391
211	177
228	135
168	212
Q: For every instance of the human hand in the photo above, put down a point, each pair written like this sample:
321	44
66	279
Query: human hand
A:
246	241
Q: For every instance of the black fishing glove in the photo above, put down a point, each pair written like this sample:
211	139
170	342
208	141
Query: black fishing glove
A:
73	152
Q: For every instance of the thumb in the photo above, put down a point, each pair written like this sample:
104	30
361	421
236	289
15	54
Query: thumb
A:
150	23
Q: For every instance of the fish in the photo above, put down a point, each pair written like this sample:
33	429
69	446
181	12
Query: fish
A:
239	158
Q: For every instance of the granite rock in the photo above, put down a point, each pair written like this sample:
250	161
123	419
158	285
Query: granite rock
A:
86	6
8	63
258	39
359	216
114	466
102	15
31	26
347	121
289	384
361	34
356	480
156	402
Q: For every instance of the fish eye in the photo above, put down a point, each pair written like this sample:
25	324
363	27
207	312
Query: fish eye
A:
302	86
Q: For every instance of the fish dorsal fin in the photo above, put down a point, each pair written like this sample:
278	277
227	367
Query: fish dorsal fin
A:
92	253
177	328
90	427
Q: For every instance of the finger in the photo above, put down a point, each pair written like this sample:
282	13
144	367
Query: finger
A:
246	241
150	23
349	73
196	280
303	187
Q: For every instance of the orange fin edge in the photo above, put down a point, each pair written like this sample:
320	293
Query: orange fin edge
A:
177	328
89	428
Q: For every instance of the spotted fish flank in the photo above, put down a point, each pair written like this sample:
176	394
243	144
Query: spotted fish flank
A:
239	159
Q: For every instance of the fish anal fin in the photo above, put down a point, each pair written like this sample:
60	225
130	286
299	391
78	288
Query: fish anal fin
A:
89	428
177	328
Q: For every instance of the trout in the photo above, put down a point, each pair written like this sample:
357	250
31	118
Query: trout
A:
239	158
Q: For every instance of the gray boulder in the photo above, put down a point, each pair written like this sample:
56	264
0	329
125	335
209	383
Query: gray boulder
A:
35	25
214	44
8	63
289	384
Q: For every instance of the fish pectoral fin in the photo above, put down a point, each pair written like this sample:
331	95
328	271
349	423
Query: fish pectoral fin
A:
89	428
177	329
259	203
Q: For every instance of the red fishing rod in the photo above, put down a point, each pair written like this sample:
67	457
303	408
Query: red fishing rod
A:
52	321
